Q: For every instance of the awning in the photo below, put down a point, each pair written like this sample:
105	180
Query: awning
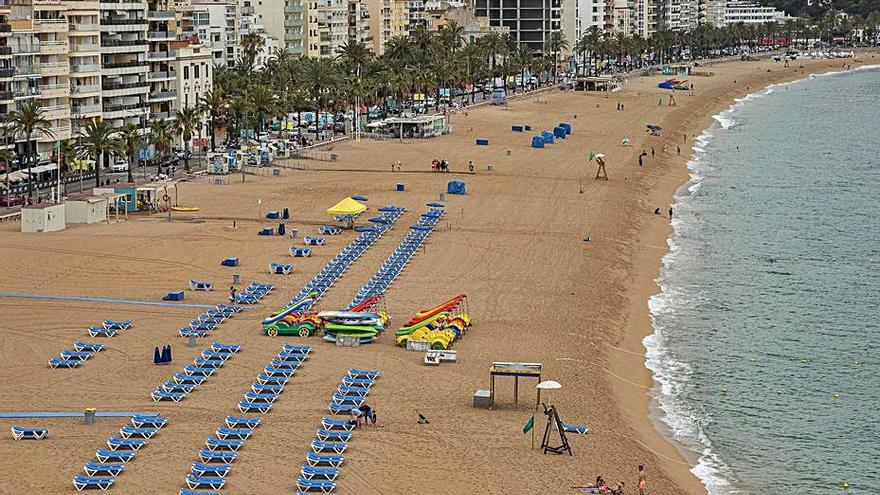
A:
346	207
44	168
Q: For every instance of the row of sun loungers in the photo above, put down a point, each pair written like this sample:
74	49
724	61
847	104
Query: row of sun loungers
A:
209	320
71	358
109	328
221	449
321	469
337	265
193	375
253	293
120	450
397	261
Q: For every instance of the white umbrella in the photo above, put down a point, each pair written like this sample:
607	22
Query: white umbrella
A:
547	385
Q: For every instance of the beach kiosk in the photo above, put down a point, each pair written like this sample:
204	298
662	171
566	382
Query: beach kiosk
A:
347	209
86	209
43	217
420	126
593	83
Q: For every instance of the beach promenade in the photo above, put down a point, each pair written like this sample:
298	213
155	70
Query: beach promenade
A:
538	292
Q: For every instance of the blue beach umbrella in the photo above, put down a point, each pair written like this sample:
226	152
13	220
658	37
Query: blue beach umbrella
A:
386	209
378	220
359	198
365	229
419	227
436	205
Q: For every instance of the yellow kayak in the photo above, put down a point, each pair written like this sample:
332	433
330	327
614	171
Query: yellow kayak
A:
185	208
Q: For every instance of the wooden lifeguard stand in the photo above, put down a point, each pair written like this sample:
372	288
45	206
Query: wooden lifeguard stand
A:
516	370
554	424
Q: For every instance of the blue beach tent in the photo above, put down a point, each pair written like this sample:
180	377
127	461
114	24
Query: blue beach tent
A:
456	187
538	142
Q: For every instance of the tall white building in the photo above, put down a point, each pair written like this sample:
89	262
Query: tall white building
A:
529	21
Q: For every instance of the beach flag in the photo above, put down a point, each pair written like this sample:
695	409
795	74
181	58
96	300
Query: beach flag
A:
660	102
592	155
529	425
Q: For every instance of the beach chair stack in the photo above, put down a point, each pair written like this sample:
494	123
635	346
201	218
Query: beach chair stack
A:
209	320
71	358
329	230
337	265
22	433
253	293
121	449
397	261
313	240
221	449
321	469
109	328
200	286
204	366
280	268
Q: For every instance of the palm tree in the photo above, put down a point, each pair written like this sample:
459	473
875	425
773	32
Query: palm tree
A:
130	140
213	103
186	121
251	44
5	158
556	43
161	135
318	76
97	140
26	119
451	36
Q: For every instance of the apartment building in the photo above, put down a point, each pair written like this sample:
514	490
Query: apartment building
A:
326	28
295	26
388	18
217	23
84	38
529	21
161	33
750	12
124	62
7	72
359	23
415	15
194	75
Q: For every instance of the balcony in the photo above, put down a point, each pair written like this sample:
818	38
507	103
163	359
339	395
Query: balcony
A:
160	36
54	47
84	29
54	90
5	51
111	24
85	110
125	108
27	93
58	134
7	72
6	96
84	49
50	25
160	115
54	69
84	90
294	9
84	69
161	76
108	42
121	5
109	86
5	27
158	56
160	15
163	95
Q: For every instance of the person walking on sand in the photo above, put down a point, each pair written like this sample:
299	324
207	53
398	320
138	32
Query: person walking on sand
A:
678	150
232	293
652	152
642	156
471	166
643	481
670	213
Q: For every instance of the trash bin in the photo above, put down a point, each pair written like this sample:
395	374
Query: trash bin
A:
442	196
236	278
489	168
191	341
400	186
90	415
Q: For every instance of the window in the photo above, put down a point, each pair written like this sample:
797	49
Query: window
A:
185	72
196	71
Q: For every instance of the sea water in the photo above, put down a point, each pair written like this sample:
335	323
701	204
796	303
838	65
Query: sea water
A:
765	351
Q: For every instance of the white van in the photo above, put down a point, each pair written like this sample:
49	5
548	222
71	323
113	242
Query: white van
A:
119	166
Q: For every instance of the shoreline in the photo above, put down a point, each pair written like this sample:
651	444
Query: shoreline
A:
681	463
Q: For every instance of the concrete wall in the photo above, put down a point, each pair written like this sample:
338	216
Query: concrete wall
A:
47	218
85	211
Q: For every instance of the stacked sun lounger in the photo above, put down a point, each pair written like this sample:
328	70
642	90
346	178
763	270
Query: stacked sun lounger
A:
300	252
313	240
221	449
321	469
280	268
71	358
329	230
193	375
209	320
337	265
120	449
109	328
22	433
201	286
253	293
394	265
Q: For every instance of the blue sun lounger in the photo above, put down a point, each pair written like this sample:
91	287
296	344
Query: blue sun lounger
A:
239	422
300	252
184	491
348	399
298	349
294	357
225	348
276	371
338	447
196	285
230	262
21	433
117	325
332	436
116	443
80	355
102	332
266	388
329	230
218	470
128	431
324	486
56	363
313	240
152	421
280	268
272	379
246	406
341	408
326	473
331	460
82	482
160	395
123	456
358	382
211	482
347	390
224	456
187	332
198	370
215	355
286	365
255	397
236	433
214	443
208	363
336	424
228	308
580	430
87	346
113	469
189	379
356	373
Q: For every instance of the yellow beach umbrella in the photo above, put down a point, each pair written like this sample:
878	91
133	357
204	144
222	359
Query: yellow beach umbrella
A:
347	207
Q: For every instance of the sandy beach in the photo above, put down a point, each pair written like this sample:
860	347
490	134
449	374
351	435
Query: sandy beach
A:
538	292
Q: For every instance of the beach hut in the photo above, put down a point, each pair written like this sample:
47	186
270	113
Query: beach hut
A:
43	217
89	209
594	83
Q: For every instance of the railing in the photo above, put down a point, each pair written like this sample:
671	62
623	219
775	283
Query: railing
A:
5	27
161	55
85	109
85	88
159	95
7	72
85	68
117	108
159	35
108	86
5	50
154	76
52	108
111	43
50	21
159	115
6	95
29	93
44	87
122	65
84	47
74	28
160	14
107	21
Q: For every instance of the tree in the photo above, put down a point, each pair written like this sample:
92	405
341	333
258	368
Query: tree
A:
161	135
186	121
319	74
97	141
251	44
130	141
24	121
213	103
556	43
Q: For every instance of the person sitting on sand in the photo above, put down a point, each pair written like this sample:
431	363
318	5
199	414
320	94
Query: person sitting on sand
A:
618	490
600	481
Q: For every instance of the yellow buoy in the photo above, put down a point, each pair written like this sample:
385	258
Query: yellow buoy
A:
835	395
845	485
779	391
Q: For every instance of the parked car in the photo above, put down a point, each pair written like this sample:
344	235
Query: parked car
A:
9	201
119	166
